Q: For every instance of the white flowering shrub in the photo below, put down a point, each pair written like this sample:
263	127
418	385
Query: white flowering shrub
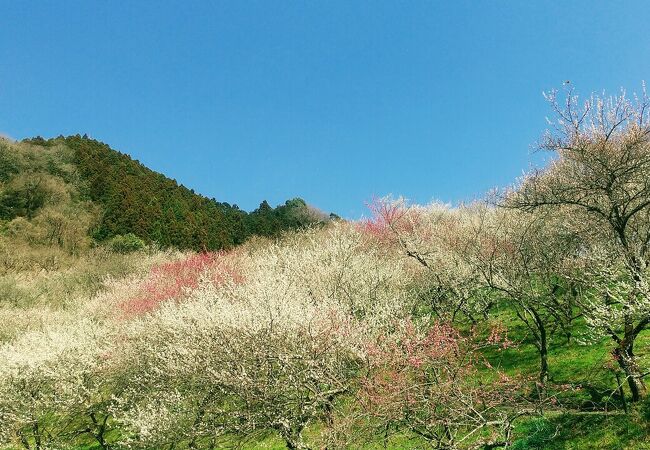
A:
433	237
270	351
50	386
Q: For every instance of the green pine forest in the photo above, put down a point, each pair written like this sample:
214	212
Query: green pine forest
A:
112	195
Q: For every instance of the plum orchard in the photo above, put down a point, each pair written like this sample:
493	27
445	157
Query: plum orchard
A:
226	347
333	336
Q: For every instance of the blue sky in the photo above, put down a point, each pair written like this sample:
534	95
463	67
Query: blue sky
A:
332	101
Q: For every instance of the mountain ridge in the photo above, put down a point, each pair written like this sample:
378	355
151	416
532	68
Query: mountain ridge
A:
130	198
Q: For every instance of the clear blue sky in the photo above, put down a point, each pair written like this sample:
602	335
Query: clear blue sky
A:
332	101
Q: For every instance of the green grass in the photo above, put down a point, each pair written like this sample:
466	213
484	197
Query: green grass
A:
577	431
586	367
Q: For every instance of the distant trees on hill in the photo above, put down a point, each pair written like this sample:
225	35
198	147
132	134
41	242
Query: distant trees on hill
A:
135	199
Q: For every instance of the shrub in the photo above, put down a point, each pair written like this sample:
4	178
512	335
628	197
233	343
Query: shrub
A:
126	243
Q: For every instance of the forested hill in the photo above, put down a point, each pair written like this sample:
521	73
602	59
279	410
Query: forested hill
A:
131	198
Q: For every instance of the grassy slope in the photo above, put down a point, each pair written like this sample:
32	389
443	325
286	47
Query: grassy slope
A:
570	364
588	367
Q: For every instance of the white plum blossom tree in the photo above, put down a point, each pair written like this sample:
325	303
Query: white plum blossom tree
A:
599	181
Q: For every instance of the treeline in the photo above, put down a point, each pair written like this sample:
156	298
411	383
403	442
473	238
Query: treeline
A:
135	199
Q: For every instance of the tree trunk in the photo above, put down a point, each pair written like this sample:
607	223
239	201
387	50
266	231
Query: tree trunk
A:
37	436
293	438
542	346
100	430
543	364
625	356
296	443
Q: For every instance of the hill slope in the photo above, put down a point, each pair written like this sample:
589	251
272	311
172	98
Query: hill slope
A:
107	193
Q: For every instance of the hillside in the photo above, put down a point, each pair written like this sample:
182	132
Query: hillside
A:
521	321
332	331
107	193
